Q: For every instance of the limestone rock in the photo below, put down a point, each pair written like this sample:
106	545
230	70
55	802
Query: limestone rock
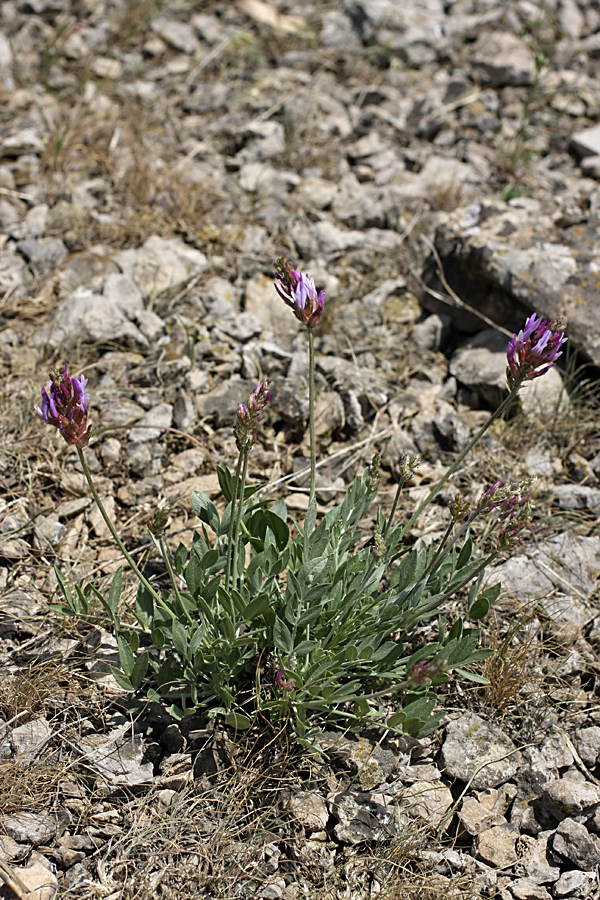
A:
310	809
513	256
574	842
567	799
497	846
471	741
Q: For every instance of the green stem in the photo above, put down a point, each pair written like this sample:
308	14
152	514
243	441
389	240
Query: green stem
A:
166	556
311	410
401	484
239	513
236	484
423	611
141	578
459	459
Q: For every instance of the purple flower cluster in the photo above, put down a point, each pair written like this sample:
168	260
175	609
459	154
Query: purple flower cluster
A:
282	683
515	506
422	672
299	292
533	350
247	416
65	405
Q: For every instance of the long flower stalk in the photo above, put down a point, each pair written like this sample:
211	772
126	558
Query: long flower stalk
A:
137	572
231	529
311	411
530	354
298	291
460	458
238	519
245	438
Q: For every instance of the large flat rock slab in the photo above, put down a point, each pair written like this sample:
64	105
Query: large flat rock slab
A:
507	261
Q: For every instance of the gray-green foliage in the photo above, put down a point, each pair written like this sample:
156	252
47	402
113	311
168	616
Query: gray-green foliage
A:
331	607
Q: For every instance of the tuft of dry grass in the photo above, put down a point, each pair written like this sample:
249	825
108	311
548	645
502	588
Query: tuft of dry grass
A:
511	670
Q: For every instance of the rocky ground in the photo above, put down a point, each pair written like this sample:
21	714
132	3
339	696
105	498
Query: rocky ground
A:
434	165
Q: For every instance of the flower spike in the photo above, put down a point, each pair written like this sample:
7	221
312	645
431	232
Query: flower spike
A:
534	350
298	291
247	416
65	405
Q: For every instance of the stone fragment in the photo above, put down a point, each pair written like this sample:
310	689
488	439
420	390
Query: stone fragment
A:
29	740
471	741
105	67
176	771
497	846
160	263
576	496
587	744
575	884
310	809
117	757
528	889
571	19
544	396
152	424
501	59
516	256
11	851
220	404
566	562
475	818
86	316
362	817
533	859
151	325
555	750
96	520
43	256
427	800
566	798
432	333
179	35
37	879
587	142
184	411
72	849
31	828
123	292
573	842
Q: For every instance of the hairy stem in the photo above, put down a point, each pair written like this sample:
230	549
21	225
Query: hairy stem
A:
311	409
459	459
236	484
141	578
238	518
166	556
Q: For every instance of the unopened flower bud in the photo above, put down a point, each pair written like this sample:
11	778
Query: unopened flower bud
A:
408	463
282	683
379	546
374	474
459	508
247	416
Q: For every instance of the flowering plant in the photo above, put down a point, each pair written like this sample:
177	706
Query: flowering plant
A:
314	626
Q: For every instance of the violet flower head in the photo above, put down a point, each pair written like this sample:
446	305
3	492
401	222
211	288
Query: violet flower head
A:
65	405
282	683
534	350
298	291
514	506
247	416
422	672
